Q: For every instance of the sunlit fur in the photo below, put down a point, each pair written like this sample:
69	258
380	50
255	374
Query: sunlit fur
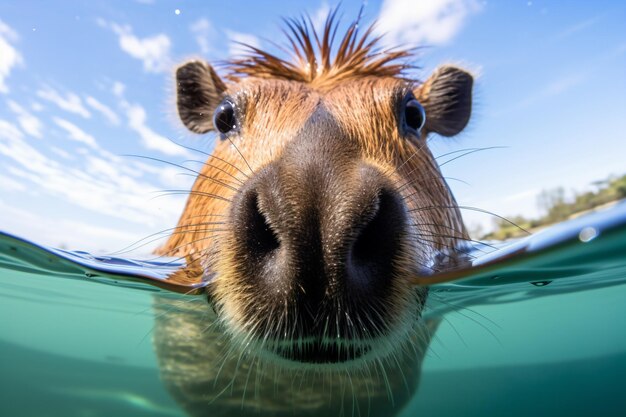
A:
224	359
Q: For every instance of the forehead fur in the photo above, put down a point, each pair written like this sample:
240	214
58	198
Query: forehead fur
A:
316	60
277	109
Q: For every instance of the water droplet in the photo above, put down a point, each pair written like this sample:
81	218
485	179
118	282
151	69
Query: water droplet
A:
587	234
540	283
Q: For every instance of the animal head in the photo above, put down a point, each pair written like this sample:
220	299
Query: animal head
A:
321	199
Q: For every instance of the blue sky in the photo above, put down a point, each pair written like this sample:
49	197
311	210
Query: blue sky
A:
83	83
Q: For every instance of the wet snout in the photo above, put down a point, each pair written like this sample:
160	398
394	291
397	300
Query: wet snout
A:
318	231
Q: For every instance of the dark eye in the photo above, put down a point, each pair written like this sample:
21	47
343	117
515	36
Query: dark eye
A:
224	118
414	115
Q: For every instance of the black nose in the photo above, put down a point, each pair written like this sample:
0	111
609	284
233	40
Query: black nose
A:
375	241
319	237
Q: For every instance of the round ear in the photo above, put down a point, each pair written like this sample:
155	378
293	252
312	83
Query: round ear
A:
447	100
199	91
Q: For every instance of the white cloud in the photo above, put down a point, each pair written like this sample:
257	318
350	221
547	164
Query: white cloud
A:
432	22
58	232
70	103
152	51
237	39
28	122
96	233
10	57
104	110
203	32
319	17
60	152
36	106
102	184
118	89
149	138
9	131
9	184
76	133
137	121
171	177
13	145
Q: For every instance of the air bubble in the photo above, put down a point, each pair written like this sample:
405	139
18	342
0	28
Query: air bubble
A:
587	234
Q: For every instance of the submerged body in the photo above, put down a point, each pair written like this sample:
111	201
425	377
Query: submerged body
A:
209	374
319	204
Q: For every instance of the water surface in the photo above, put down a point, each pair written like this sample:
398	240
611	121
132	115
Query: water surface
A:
534	328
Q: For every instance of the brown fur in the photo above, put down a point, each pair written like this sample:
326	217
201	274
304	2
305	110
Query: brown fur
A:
362	89
357	56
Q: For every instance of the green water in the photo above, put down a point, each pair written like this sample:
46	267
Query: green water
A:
72	346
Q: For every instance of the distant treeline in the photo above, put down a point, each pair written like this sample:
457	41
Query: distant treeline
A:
557	207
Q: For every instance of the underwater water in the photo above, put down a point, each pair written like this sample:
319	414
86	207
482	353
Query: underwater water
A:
535	327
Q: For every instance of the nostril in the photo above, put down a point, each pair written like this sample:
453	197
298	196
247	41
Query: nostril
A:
377	243
261	239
